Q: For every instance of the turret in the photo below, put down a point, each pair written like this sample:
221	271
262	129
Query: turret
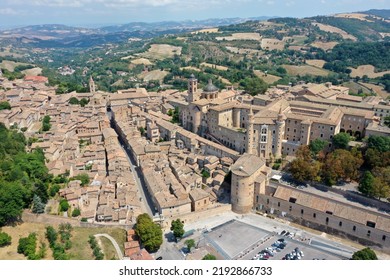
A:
249	132
280	127
192	89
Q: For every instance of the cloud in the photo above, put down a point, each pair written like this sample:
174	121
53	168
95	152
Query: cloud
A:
9	12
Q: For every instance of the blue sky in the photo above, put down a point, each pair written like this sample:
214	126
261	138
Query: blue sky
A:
87	12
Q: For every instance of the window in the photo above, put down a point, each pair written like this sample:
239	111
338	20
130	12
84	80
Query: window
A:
384	238
290	208
301	211
292	200
328	212
340	224
327	220
371	224
267	201
278	204
257	199
314	215
369	233
354	228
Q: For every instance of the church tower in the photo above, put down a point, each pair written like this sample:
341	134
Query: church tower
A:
249	131
92	86
280	127
192	89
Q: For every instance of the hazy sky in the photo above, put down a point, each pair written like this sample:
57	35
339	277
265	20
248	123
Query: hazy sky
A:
86	12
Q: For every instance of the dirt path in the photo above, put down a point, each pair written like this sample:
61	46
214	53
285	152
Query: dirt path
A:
113	241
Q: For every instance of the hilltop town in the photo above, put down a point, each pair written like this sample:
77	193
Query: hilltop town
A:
235	142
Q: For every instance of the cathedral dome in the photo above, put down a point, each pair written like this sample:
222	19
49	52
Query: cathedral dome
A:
210	88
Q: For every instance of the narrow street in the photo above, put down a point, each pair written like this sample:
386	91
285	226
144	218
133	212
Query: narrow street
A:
147	205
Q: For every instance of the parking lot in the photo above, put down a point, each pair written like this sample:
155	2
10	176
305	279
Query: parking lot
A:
309	252
241	241
233	237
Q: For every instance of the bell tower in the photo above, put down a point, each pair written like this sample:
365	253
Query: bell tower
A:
192	89
92	86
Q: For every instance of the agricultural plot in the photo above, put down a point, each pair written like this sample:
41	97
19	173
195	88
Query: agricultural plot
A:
241	36
10	65
368	70
153	75
316	62
33	72
324	45
302	70
218	67
332	29
269	79
143	61
161	51
272	44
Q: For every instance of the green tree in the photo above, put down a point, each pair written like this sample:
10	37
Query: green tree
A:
366	185
209	257
38	206
5	239
379	143
190	243
74	101
83	177
341	140
317	146
364	254
178	228
5	105
76	212
46	123
254	85
150	234
83	102
51	235
304	167
27	246
64	205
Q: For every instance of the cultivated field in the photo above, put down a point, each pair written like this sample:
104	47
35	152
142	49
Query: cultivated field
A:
80	248
207	30
379	90
153	75
316	62
332	29
143	61
368	70
294	70
244	51
191	68
362	17
355	88
10	65
218	67
325	46
269	79
272	44
33	72
241	36
161	51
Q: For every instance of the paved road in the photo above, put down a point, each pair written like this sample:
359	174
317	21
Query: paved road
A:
147	204
113	241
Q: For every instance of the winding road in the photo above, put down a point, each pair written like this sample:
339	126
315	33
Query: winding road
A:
113	241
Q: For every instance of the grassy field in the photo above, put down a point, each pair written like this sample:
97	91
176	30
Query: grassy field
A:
237	50
272	44
190	68
143	61
355	88
218	67
161	51
241	36
80	247
379	90
316	62
358	16
294	70
269	79
10	65
324	45
368	70
107	248
33	72
153	75
332	29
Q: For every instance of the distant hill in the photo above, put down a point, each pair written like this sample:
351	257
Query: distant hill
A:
181	25
380	13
